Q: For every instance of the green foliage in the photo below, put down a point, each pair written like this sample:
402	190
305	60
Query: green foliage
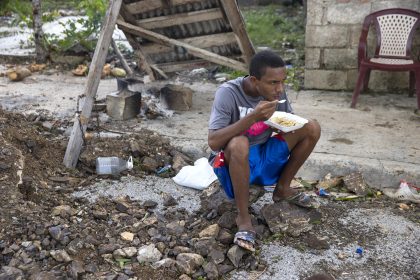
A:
275	237
72	36
233	74
22	10
122	262
94	10
274	27
83	31
294	78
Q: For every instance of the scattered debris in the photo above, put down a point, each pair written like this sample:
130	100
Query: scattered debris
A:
404	193
355	183
37	67
81	70
18	74
106	70
404	206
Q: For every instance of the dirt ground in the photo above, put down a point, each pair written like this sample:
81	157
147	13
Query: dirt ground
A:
38	201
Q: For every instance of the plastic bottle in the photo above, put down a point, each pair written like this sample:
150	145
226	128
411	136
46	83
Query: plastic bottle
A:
164	169
112	165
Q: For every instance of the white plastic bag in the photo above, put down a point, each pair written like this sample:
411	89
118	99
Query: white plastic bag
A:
199	176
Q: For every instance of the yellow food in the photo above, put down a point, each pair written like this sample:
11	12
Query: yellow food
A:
284	121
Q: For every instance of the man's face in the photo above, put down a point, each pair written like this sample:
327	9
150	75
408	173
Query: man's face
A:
271	84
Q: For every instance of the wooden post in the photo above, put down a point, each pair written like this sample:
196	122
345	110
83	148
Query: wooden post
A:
235	19
79	127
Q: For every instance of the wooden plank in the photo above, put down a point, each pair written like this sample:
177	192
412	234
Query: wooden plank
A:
171	67
144	63
150	5
234	16
160	39
182	18
206	41
79	127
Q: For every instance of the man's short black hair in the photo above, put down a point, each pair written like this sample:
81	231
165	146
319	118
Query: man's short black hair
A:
262	60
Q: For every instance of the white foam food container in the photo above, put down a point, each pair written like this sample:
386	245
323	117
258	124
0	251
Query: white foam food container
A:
298	121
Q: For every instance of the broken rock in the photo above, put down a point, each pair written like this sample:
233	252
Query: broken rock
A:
210	231
235	255
148	254
188	263
287	218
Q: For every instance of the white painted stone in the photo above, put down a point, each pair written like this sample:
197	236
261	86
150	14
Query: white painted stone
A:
148	254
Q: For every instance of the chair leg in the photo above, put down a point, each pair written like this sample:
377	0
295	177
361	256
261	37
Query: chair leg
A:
412	83
418	88
366	80
359	85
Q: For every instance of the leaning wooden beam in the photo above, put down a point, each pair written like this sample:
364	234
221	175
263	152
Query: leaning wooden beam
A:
159	71
236	22
170	67
121	58
182	18
144	63
160	39
79	127
143	59
150	5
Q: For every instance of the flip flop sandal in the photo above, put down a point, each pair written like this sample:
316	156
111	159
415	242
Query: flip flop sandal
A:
245	239
301	199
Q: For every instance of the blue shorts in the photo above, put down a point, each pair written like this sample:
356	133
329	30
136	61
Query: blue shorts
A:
266	162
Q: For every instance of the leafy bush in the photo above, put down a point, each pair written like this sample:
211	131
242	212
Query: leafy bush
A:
83	31
279	28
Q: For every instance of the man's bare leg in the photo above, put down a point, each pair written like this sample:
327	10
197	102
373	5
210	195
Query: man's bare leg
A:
301	144
236	156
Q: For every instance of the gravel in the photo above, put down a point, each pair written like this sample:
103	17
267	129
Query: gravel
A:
147	188
391	240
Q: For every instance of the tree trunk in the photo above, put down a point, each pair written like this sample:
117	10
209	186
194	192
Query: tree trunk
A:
41	53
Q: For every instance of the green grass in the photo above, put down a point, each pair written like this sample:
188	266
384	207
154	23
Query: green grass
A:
278	28
25	6
281	29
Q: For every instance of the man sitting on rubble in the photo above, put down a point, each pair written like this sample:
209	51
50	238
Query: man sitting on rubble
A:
245	149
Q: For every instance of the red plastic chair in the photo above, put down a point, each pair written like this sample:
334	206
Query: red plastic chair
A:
395	29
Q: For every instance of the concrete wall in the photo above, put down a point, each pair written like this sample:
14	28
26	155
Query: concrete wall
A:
332	35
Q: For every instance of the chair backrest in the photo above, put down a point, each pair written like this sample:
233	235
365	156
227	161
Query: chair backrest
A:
395	30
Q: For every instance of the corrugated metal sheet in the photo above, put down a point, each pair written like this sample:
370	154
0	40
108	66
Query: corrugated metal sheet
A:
204	24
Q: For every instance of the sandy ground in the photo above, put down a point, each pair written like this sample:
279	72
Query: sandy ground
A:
390	240
378	138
